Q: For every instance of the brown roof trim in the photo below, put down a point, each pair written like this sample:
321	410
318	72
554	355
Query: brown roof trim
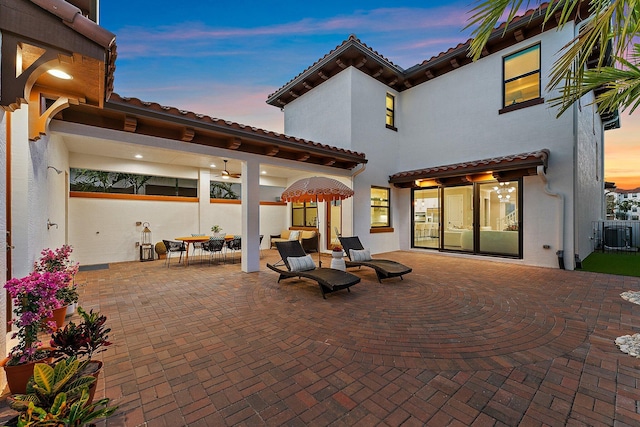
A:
353	52
621	191
73	18
504	167
152	119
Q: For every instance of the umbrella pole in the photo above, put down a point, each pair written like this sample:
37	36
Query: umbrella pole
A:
318	233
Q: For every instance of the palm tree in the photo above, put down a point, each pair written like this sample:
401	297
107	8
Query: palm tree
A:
611	27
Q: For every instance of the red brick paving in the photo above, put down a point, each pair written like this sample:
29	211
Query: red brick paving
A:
458	342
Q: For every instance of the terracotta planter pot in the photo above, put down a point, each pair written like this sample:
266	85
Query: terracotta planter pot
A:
95	366
58	316
18	376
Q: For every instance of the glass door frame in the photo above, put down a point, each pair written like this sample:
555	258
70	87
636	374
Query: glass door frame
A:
476	220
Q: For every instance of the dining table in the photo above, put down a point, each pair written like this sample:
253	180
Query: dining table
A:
192	240
189	241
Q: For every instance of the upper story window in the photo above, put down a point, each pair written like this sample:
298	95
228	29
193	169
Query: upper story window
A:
380	207
391	112
522	76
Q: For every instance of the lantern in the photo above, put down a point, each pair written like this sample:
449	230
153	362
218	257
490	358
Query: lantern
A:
146	248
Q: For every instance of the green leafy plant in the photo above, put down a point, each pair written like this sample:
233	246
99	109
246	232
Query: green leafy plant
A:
68	294
222	190
133	180
85	339
216	228
59	395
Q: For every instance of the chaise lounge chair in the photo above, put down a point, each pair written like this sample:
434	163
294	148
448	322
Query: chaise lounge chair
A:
359	257
299	264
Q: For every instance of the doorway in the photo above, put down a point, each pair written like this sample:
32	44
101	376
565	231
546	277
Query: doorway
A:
334	223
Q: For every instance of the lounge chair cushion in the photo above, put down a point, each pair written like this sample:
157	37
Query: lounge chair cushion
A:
360	255
294	235
301	263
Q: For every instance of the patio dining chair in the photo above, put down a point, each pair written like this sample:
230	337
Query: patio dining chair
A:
197	246
215	247
234	245
174	248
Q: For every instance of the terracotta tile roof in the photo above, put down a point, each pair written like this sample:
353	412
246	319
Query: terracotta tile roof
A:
620	191
152	119
73	18
352	41
503	163
393	75
208	120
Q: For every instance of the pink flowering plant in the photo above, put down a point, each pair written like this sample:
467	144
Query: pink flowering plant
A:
59	260
34	299
50	286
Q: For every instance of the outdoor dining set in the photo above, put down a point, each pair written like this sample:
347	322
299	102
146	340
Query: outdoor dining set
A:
215	248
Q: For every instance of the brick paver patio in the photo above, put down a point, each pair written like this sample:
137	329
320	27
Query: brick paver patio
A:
460	342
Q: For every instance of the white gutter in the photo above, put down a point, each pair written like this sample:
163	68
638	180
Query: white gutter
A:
560	196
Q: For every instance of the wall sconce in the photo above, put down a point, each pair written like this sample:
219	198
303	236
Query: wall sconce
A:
58	171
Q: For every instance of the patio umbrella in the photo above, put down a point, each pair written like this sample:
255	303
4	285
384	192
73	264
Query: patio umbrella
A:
316	189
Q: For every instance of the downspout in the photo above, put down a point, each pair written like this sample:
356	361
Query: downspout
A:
560	196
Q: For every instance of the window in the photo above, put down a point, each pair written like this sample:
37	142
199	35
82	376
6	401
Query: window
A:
304	214
391	108
522	76
98	181
380	207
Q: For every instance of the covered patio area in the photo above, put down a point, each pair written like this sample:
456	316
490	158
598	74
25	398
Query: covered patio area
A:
458	342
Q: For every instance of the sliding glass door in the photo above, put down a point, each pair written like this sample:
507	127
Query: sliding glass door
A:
477	218
458	218
499	218
426	216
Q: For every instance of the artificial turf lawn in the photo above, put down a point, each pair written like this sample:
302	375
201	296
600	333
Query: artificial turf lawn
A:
624	264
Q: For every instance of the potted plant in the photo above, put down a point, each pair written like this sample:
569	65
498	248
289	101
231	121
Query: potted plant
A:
83	340
59	395
89	337
161	250
34	299
69	296
59	260
217	230
336	251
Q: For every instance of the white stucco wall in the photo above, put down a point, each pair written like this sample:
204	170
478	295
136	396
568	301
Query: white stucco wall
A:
589	192
455	118
324	113
3	231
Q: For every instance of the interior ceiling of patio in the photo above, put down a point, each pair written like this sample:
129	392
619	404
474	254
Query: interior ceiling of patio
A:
126	151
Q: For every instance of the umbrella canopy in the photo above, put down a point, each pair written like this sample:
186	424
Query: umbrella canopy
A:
316	189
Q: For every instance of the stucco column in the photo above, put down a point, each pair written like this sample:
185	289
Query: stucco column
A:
250	216
204	186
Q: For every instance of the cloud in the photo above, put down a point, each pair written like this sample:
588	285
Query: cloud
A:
236	103
202	39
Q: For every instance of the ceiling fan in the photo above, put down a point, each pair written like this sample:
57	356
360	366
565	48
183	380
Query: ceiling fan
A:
225	174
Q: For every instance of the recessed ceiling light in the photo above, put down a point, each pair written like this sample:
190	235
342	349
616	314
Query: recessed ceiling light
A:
212	165
264	172
138	156
59	74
